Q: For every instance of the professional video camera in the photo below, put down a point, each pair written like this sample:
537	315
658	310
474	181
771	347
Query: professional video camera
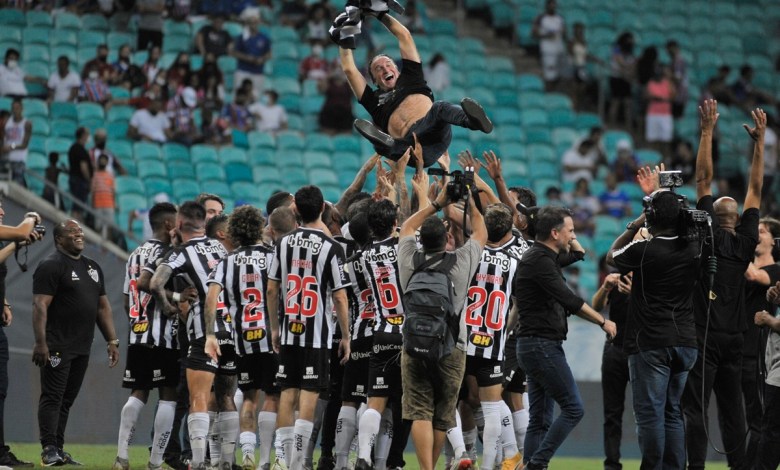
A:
694	224
460	184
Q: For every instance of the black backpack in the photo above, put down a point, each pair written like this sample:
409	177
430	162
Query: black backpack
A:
431	326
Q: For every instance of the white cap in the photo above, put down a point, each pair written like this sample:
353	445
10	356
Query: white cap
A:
623	144
250	13
160	197
189	97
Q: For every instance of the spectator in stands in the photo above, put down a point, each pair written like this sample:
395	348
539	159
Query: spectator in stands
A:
579	162
16	137
313	66
679	76
294	13
143	215
771	156
178	75
99	63
580	56
317	26
213	129
64	83
236	114
614	200
647	65
717	88
336	115
626	163
684	160
213	38
745	94
150	23
269	115
180	113
12	76
584	206
114	165
412	19
252	48
80	175
150	124
437	73
550	29
151	67
659	122
103	197
211	83
52	175
622	75
93	88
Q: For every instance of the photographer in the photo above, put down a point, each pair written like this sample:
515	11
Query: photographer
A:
719	303
660	336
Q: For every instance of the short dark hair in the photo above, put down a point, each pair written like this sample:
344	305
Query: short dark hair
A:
194	215
80	132
218	222
525	196
381	217
278	199
359	228
308	202
550	218
355	202
663	210
203	197
63	58
10	51
772	224
433	234
245	226
159	212
498	220
282	220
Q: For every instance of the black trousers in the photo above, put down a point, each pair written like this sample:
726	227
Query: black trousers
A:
4	357
768	457
753	409
722	361
147	38
614	379
61	380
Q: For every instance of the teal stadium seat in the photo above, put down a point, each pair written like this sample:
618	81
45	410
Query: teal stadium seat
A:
230	155
314	159
86	111
260	156
94	22
323	177
34	107
40	125
36	36
208	171
319	142
176	43
63	128
245	190
267	174
181	170
66	20
289	141
203	154
146	151
10	16
261	140
156	185
346	143
63	110
185	189
237	172
152	168
129	185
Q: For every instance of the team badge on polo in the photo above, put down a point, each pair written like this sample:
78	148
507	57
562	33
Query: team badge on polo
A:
93	274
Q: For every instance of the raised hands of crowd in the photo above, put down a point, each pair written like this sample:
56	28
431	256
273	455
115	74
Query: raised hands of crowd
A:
648	178
759	118
709	115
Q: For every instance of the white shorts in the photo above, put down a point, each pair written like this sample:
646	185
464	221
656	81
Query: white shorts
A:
659	128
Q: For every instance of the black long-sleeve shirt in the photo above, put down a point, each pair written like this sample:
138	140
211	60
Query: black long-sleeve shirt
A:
543	298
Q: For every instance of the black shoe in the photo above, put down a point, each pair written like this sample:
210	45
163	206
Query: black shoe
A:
477	117
326	462
67	459
363	465
8	459
535	466
50	457
368	130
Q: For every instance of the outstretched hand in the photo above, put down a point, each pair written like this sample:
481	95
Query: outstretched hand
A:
709	114
648	178
466	160
759	118
492	165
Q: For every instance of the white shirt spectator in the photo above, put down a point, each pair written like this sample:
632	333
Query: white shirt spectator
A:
268	118
151	126
770	151
582	166
12	80
63	87
438	76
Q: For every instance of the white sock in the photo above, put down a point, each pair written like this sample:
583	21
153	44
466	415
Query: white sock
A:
198	424
285	436
383	440
266	424
213	436
455	437
163	422
470	438
368	428
520	423
127	425
319	413
508	439
345	431
491	434
302	435
228	429
248	441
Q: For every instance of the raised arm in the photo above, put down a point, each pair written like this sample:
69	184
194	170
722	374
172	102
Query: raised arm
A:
756	181
709	117
354	77
357	183
405	41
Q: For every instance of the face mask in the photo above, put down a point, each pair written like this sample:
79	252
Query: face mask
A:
93	75
265	100
12	64
100	144
103	58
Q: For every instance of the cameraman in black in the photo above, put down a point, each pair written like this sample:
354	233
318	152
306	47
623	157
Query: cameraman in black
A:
660	335
719	302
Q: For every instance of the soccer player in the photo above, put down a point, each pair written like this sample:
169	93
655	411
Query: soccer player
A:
307	267
242	276
192	261
152	352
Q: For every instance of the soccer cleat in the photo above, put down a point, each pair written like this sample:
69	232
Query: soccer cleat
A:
461	463
67	459
477	117
326	463
198	466
513	463
363	465
121	464
248	463
266	466
151	466
50	457
8	459
279	464
375	135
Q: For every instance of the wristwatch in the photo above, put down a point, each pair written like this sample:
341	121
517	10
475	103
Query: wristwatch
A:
115	342
631	226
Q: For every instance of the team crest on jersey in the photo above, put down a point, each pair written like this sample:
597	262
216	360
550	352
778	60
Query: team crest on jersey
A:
395	320
254	335
93	274
481	340
141	327
296	327
54	361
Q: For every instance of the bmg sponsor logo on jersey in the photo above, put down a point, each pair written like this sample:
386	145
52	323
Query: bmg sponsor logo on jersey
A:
256	259
497	259
209	249
312	243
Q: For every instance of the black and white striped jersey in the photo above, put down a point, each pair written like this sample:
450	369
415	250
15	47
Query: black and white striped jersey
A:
486	310
243	276
380	264
148	325
192	262
517	245
361	302
309	265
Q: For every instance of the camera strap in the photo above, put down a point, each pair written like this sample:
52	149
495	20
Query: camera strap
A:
22	265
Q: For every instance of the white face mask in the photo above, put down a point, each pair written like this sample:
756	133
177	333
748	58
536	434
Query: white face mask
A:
12	64
93	75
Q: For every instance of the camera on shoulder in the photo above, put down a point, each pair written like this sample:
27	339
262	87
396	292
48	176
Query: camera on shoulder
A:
692	224
460	184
